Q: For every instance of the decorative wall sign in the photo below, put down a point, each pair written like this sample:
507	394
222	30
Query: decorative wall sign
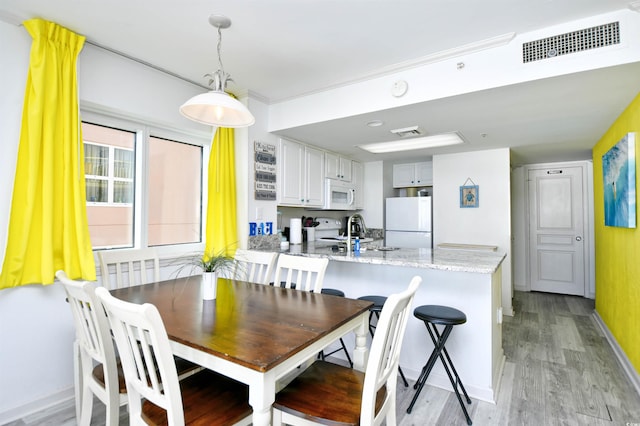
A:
469	195
265	171
619	175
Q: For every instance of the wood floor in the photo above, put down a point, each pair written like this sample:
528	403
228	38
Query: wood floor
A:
560	371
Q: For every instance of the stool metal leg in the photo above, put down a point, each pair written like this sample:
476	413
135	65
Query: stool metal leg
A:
438	351
449	365
322	355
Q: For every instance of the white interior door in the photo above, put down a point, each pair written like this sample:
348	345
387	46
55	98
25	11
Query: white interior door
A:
556	230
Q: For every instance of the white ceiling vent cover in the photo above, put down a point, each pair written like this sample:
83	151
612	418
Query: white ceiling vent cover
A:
576	41
408	131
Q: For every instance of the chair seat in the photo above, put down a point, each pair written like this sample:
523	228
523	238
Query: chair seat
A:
98	374
326	393
199	395
442	315
378	302
183	367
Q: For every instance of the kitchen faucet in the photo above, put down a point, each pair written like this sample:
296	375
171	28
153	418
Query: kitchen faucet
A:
363	229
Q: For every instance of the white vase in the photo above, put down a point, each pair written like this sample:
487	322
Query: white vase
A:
209	285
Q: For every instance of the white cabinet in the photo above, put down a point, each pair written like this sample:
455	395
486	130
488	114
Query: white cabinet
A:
301	177
357	179
338	167
413	174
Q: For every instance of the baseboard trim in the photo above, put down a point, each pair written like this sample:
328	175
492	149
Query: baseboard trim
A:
626	365
36	405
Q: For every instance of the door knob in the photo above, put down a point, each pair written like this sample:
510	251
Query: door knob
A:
578	238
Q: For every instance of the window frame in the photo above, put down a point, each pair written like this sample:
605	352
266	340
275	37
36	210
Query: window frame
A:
144	130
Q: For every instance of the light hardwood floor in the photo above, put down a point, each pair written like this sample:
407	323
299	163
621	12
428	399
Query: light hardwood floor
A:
560	371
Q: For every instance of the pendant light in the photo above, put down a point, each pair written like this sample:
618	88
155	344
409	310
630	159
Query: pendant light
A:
217	108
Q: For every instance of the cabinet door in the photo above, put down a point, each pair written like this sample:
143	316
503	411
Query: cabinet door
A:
345	169
357	179
290	179
314	177
404	175
332	165
424	174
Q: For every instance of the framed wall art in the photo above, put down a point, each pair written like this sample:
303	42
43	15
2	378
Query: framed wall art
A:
469	195
619	175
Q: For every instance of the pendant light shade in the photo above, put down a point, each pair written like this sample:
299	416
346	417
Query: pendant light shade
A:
217	108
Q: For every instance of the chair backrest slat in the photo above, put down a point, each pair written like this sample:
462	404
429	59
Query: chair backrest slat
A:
309	272
147	360
254	266
382	366
94	341
131	267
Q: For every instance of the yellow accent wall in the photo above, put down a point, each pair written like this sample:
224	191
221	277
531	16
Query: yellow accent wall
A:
617	250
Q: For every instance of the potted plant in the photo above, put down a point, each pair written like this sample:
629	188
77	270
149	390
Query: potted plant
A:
214	266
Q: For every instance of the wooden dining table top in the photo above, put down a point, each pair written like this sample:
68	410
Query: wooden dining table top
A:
254	325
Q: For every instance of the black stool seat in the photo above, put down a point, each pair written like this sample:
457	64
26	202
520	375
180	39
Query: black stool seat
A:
333	292
448	317
442	315
376	308
378	302
322	355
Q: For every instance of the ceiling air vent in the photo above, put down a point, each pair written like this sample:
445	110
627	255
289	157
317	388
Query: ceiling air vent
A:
408	131
576	41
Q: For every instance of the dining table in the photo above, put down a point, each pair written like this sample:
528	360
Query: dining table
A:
258	334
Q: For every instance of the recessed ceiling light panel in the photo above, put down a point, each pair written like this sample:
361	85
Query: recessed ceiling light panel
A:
444	139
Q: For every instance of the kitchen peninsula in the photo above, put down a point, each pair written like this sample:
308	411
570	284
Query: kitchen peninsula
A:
469	280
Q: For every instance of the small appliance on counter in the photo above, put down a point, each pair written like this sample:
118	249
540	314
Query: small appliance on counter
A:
357	230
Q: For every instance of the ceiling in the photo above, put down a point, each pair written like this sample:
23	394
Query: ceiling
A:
282	49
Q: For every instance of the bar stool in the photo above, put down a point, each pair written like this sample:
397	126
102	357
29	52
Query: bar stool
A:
322	355
376	308
433	315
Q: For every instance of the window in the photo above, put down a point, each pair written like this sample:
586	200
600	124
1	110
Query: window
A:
143	186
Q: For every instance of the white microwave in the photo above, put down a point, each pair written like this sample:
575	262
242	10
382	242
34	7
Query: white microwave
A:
339	195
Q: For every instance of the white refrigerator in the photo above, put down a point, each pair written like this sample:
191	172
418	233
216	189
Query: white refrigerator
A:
408	222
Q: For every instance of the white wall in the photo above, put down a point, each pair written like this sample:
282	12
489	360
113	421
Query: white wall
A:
373	194
36	329
490	223
519	229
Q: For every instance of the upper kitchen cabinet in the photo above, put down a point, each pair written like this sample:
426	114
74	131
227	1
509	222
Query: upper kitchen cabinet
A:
413	174
337	167
301	175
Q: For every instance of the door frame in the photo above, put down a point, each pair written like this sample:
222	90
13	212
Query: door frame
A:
589	244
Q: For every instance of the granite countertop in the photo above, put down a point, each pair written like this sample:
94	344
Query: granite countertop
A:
458	260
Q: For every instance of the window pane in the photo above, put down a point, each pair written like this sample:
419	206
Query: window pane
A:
97	191
175	192
123	163
96	160
122	192
109	201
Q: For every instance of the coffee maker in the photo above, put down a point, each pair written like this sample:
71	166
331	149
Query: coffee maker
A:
356	227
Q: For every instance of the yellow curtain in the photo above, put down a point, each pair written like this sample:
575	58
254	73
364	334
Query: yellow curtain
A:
222	234
48	223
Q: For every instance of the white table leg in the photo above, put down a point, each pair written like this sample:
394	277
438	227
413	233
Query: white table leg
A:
361	351
262	393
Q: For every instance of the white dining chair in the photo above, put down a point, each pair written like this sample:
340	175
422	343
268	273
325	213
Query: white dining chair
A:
331	394
300	272
150	373
254	266
130	267
97	371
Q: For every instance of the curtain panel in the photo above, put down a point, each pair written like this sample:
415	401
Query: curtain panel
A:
48	221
